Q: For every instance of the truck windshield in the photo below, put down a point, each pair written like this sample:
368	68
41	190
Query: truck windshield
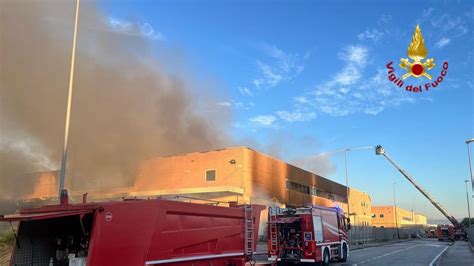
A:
318	229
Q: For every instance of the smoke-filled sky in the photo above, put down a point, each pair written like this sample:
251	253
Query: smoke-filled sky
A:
127	106
290	79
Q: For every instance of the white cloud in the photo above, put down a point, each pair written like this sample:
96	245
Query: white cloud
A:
456	26
349	75
134	29
148	31
385	19
270	76
120	25
301	99
356	54
236	104
279	66
370	34
263	120
225	104
351	92
296	116
427	12
356	59
245	91
442	42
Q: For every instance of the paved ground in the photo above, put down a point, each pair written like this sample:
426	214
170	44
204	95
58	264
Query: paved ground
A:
415	252
459	254
426	252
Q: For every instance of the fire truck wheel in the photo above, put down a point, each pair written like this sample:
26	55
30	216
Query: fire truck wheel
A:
325	261
344	253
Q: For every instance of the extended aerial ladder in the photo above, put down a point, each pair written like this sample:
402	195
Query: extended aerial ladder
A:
379	150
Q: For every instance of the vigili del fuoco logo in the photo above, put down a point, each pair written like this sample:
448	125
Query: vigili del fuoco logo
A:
417	67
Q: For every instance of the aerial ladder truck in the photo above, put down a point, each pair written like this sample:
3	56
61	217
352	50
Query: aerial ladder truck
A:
459	230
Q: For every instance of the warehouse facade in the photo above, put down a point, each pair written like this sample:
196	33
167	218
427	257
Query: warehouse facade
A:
244	175
393	217
239	174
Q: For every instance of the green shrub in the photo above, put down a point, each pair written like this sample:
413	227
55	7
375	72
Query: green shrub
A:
7	238
465	222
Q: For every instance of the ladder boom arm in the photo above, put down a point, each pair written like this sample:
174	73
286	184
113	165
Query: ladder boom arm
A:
438	206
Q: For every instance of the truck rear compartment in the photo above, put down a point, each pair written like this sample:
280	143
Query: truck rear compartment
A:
290	239
41	242
307	235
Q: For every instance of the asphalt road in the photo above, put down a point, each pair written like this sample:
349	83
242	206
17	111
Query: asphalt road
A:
415	252
425	252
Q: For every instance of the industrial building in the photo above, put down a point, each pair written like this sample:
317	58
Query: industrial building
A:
243	175
237	174
393	217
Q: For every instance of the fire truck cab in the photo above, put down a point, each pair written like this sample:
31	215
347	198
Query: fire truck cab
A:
431	232
445	232
315	234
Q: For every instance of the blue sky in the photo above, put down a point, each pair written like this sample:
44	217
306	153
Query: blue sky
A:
303	78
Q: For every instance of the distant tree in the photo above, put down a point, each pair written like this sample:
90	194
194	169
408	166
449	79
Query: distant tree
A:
465	222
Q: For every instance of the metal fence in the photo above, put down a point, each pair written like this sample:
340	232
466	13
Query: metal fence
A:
368	234
470	235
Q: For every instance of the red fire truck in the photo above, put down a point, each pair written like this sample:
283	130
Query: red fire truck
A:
135	232
445	232
316	234
430	232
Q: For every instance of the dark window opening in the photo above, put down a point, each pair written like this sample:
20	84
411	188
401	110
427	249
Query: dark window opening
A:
211	175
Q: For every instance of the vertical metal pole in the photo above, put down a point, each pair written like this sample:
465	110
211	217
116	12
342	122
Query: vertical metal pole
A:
395	206
468	207
347	186
470	164
69	101
414	210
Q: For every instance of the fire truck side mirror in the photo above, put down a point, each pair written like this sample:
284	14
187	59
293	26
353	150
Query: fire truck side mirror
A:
348	223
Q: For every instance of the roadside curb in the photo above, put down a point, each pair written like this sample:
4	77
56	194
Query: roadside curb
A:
438	258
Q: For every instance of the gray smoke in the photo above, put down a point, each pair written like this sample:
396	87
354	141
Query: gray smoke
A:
320	164
282	144
126	106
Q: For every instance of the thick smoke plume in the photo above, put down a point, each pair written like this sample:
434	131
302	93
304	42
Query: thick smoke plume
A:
320	164
282	145
126	106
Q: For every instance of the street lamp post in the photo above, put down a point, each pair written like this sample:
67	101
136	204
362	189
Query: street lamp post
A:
347	186
468	207
62	191
414	209
347	179
469	160
395	207
345	150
